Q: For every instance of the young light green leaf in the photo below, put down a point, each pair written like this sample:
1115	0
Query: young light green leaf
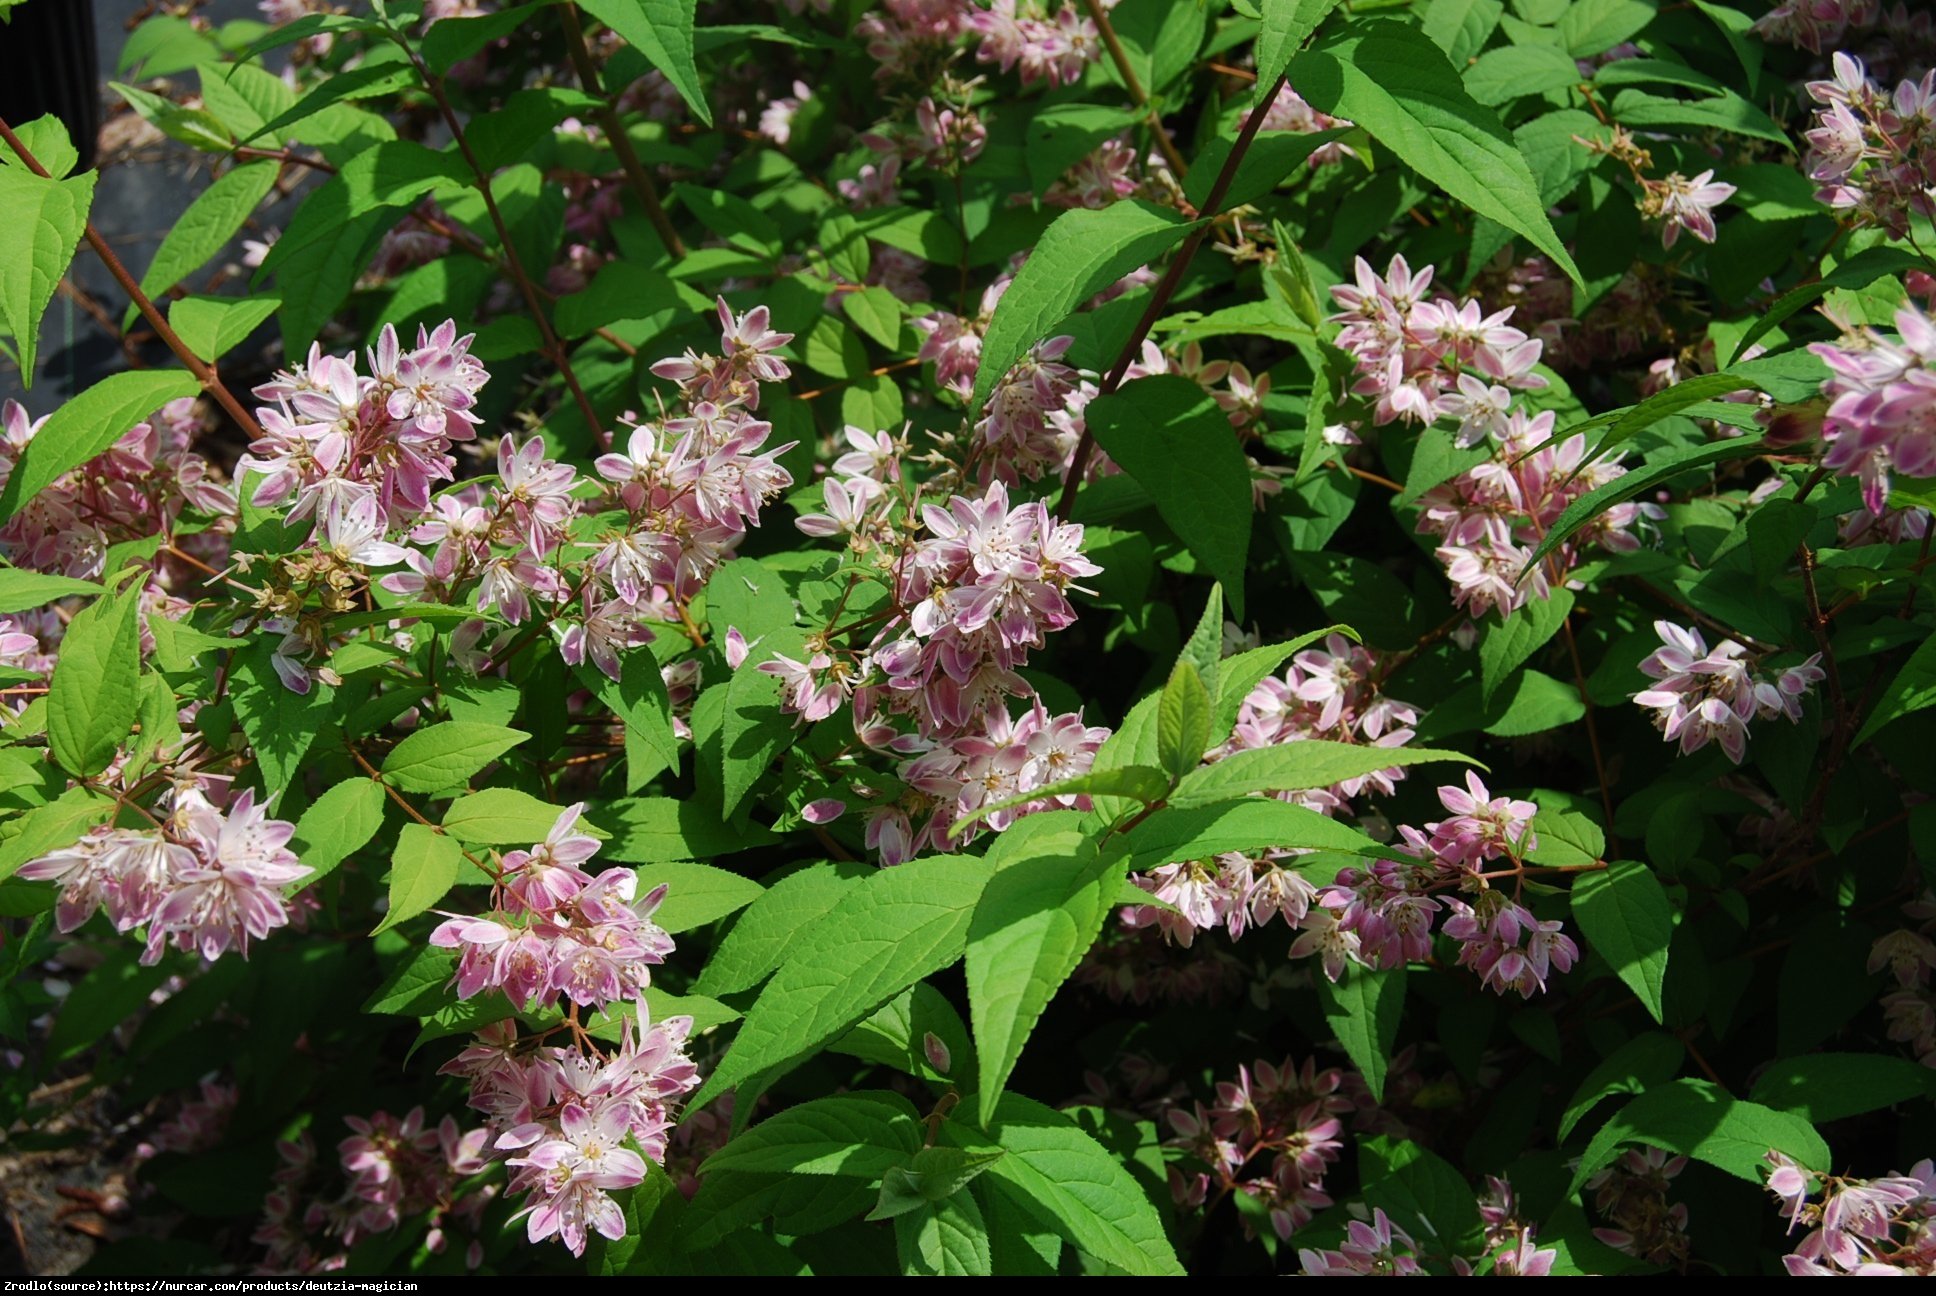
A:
442	757
662	31
1912	690
1249	824
1508	644
881	937
213	326
1035	922
505	817
761	936
215	216
1183	721
89	424
337	823
1646	1060
1391	80
61	822
863	1135
1314	763
1699	1119
1513	71
1567	839
44	219
1364	1009
92	699
1204	650
1176	443
1072	1185
195	127
20	590
936	1174
696	894
1624	912
1142	784
423	867
1078	256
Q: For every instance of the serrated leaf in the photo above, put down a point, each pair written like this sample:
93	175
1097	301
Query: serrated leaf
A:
1143	784
759	939
857	1134
444	756
876	312
505	817
638	698
662	31
648	830
423	868
1699	1119
887	933
1912	690
1625	913
934	1175
696	894
1420	1191
1078	256
1567	839
44	219
279	724
1177	444
195	127
338	823
1392	81
1285	26
1313	763
418	987
1364	1010
1248	825
215	216
1633	482
1035	922
943	1239
94	694
1510	643
213	326
1645	1060
1825	1087
1239	674
1183	721
1071	1185
87	425
20	590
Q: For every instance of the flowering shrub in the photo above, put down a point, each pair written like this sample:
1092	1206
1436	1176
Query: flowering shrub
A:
1035	636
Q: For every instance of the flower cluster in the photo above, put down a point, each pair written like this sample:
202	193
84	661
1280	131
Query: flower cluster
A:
1631	1195
565	1113
1272	1134
1815	25
204	880
1289	112
1014	34
392	1170
1909	955
1882	404
1872	1228
1872	152
1704	696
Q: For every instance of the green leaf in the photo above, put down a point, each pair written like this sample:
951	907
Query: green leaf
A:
365	82
1566	839
1364	1010
280	724
1645	1060
943	1239
1699	1119
47	139
1513	71
1391	80
1060	136
1590	27
876	312
881	937
1177	444
87	425
1633	482
423	868
1183	721
1036	920
338	823
1859	271
1725	112
762	935
1314	763
697	894
1238	675
1078	256
1461	27
1143	784
452	40
1204	650
44	219
395	174
195	127
1912	690
1072	1185
20	590
1510	643
638	697
215	216
648	830
896	1035
442	757
61	822
1286	25
1625	913
1249	825
213	326
736	220
863	1135
418	987
1825	1087
1420	1191
753	728
92	699
504	817
936	1174
662	31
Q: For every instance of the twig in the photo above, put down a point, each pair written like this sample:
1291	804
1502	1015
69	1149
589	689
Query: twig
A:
1374	479
415	813
628	157
1160	299
204	372
1137	95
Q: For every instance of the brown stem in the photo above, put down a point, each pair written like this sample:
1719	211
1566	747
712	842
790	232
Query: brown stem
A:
413	812
203	371
1375	479
553	349
1137	95
608	118
1160	299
